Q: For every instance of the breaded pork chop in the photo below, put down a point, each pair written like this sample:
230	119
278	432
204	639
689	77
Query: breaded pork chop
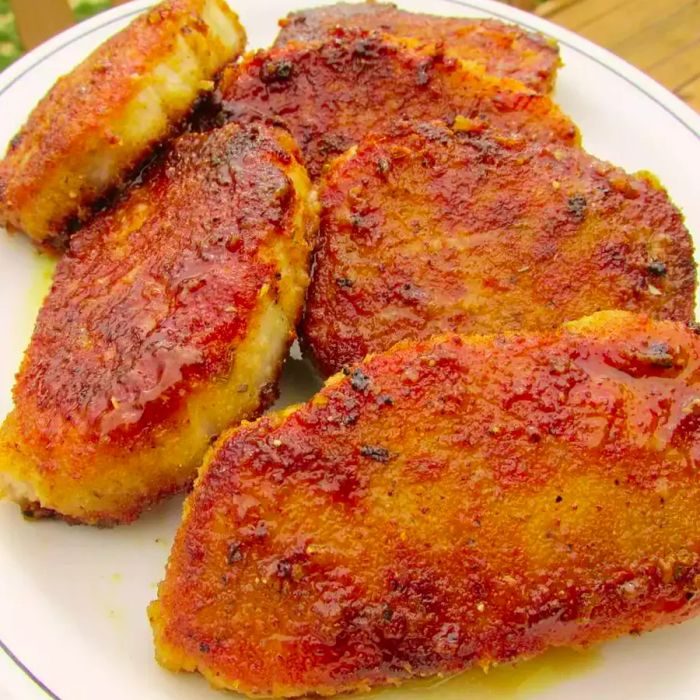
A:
331	93
430	230
168	320
102	119
456	502
506	50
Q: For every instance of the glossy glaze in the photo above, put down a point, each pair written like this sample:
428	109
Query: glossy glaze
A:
429	230
505	50
126	377
101	120
332	92
460	501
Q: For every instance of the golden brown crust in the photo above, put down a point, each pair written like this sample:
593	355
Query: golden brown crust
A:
102	119
428	230
331	93
459	501
505	50
194	279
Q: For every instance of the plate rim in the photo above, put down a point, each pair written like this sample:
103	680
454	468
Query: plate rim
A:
658	93
662	96
685	115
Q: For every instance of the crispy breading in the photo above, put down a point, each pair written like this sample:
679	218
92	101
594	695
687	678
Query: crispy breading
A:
168	321
506	50
456	502
430	230
331	93
102	119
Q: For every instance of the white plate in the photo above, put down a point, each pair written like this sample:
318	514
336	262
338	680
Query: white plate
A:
73	599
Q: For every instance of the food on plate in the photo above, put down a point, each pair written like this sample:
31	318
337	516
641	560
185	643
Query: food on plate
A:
504	49
168	321
427	230
453	502
100	121
332	92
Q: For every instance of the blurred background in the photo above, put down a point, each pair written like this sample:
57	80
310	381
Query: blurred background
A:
39	20
662	37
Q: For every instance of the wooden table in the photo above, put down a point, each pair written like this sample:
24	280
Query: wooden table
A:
662	37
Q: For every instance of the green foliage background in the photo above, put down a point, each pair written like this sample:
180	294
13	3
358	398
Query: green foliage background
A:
10	47
10	44
85	8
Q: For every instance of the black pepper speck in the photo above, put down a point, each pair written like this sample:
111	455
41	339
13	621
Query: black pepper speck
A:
657	268
276	71
378	454
284	569
359	380
660	355
234	553
577	206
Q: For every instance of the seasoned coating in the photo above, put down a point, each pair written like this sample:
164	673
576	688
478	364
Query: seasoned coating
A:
430	230
456	502
331	93
168	321
503	49
101	120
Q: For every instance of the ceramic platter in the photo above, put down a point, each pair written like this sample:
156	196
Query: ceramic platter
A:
73	599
